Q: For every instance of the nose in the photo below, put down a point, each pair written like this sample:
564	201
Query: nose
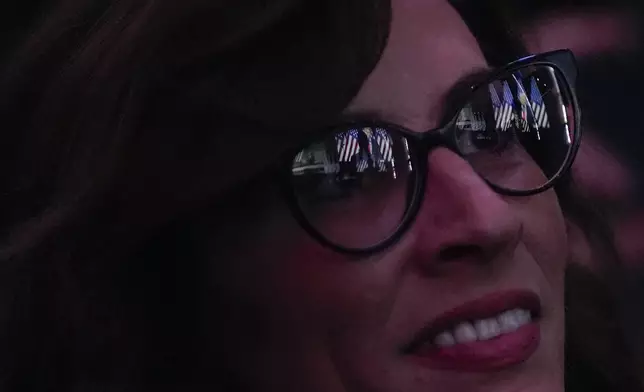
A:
462	220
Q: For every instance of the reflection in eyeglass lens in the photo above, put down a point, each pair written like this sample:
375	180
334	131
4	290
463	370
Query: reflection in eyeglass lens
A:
354	186
516	132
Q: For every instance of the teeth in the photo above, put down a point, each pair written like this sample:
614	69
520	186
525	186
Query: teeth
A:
487	329
445	339
465	333
484	329
523	316
509	321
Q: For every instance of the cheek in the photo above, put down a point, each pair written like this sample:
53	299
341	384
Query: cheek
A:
545	235
304	287
291	303
333	292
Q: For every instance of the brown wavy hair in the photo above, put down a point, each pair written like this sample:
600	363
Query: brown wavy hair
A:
124	119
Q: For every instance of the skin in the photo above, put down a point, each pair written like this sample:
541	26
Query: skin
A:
300	317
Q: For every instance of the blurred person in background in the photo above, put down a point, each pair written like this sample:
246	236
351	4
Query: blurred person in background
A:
159	232
607	39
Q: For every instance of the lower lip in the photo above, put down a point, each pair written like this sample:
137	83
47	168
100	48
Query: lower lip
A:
484	356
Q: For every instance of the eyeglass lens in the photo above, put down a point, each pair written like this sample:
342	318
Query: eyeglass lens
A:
355	186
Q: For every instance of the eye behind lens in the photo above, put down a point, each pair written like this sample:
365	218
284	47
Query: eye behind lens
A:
353	186
516	130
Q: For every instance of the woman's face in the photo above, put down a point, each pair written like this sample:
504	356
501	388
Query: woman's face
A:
300	317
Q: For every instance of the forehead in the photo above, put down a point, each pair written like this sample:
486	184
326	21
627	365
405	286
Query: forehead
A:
429	49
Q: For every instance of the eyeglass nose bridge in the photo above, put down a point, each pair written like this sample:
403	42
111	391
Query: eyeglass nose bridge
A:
431	139
445	137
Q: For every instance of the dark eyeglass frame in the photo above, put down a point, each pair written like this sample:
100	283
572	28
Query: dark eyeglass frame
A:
422	143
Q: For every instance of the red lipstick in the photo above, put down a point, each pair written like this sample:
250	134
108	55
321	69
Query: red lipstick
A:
508	348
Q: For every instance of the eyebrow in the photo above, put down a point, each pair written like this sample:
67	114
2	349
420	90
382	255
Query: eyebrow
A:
456	95
461	90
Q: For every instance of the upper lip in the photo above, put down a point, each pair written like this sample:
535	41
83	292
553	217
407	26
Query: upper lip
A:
481	308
